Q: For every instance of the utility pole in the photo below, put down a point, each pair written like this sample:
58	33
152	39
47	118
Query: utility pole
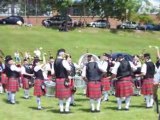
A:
36	12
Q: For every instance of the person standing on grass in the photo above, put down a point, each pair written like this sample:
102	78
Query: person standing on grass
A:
91	73
106	77
63	91
122	71
17	56
148	71
12	72
39	88
27	73
71	78
50	68
156	79
3	78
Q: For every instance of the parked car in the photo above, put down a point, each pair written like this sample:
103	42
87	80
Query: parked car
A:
100	24
146	27
57	21
128	25
14	20
157	27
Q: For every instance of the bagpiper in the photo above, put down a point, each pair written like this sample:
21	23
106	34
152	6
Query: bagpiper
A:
63	91
147	71
91	73
13	73
122	71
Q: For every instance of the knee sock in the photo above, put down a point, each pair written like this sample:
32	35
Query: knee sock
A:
61	106
92	104
127	102
119	102
39	102
98	104
68	101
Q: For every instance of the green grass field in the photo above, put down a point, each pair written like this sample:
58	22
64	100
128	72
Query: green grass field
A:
76	43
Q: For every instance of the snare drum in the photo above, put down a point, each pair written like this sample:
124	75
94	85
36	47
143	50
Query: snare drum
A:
50	88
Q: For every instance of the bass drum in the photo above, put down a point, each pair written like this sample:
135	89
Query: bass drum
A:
83	59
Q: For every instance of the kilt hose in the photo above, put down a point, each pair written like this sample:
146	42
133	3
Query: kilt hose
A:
13	85
94	90
62	92
38	91
124	87
25	83
105	81
147	86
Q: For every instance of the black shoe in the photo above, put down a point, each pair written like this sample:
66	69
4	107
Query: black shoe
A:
97	111
92	111
73	104
40	108
67	112
126	109
149	107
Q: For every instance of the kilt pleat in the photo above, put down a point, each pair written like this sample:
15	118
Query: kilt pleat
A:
94	90
62	92
147	86
106	83
13	85
4	79
124	87
38	88
25	83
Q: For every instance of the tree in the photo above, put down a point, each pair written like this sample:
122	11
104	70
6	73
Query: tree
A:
119	9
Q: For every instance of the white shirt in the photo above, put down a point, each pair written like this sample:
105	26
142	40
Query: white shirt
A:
101	66
65	64
15	68
2	67
49	68
117	64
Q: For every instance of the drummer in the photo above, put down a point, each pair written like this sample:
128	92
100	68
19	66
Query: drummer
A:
27	73
71	77
105	79
137	78
49	67
39	88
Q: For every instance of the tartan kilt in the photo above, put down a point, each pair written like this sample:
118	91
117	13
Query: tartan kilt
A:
106	83
4	79
25	83
147	86
124	87
38	88
62	92
13	85
94	90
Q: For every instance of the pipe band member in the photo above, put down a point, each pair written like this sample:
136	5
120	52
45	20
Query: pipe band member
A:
13	73
63	92
92	75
